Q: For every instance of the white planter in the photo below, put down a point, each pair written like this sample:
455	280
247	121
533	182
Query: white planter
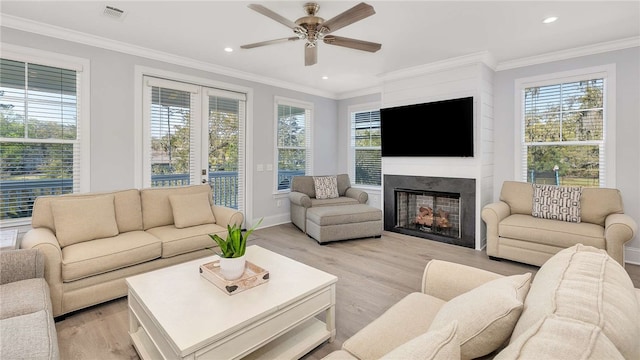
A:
232	268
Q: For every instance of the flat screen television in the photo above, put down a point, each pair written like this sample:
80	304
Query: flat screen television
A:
441	128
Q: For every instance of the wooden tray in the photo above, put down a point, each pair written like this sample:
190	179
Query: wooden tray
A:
253	276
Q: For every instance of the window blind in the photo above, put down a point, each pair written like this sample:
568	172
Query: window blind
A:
366	142
171	106
226	117
564	132
39	134
293	143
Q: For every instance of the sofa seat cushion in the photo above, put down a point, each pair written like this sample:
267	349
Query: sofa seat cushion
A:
440	344
342	200
340	355
103	255
404	321
551	232
584	284
347	214
24	297
548	339
180	241
29	336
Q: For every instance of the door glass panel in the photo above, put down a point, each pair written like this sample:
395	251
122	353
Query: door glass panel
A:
224	156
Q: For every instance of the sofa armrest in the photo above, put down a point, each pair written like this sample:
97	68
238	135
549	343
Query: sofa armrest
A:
46	242
300	199
618	229
227	216
360	195
446	280
16	265
492	214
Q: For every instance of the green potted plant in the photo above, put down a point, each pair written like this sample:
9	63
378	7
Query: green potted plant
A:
232	250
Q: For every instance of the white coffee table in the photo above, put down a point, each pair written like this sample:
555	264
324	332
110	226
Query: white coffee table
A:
175	313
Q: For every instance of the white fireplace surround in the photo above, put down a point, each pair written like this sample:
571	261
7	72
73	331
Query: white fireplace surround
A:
472	79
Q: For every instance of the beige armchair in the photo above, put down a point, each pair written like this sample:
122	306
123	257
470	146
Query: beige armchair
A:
303	197
514	234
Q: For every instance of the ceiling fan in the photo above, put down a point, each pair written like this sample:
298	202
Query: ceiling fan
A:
312	29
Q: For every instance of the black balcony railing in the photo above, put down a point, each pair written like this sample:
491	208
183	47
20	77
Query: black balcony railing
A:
17	196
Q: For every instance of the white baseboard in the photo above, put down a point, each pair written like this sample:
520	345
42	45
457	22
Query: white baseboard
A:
273	220
632	255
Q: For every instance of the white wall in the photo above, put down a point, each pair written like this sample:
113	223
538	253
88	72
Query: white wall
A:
113	114
627	64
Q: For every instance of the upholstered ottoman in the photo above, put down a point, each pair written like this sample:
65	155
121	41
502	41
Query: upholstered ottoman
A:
332	223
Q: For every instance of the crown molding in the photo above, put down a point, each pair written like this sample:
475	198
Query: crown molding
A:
360	92
31	26
483	57
570	53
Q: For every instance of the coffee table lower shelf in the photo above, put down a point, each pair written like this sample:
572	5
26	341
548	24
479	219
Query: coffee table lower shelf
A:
291	345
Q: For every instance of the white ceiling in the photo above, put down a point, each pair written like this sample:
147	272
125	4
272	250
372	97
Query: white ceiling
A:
412	33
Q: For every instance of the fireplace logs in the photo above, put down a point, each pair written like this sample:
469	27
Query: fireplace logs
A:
425	217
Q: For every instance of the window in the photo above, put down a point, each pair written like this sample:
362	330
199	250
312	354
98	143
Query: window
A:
565	124
366	158
40	122
293	141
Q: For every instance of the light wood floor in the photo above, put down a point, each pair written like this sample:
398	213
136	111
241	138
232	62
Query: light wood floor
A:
373	275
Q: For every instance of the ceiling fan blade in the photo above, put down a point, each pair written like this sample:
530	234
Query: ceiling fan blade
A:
310	55
269	42
275	16
348	17
352	43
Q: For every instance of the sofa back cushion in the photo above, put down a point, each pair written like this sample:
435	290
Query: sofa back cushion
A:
584	284
486	315
126	203
191	209
598	203
83	219
518	195
156	207
306	185
595	203
548	339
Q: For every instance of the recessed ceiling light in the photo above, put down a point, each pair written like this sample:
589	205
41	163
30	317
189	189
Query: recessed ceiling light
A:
325	77
550	19
228	49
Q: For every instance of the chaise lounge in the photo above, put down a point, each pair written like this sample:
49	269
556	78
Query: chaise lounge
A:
332	211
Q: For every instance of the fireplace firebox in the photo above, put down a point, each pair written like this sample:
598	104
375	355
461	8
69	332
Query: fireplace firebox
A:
428	211
435	208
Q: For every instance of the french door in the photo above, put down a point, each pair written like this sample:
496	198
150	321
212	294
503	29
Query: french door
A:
195	134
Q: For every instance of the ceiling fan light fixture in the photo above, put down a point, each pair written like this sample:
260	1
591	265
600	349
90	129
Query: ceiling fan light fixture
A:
228	49
550	19
312	29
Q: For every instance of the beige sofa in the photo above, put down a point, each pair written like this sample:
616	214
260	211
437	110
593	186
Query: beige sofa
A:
581	305
92	242
303	196
514	234
27	329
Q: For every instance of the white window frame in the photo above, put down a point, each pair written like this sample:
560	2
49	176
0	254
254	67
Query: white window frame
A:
606	72
351	158
279	100
82	68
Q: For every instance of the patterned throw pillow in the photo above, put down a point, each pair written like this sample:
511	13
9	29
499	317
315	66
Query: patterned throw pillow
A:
326	187
557	202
